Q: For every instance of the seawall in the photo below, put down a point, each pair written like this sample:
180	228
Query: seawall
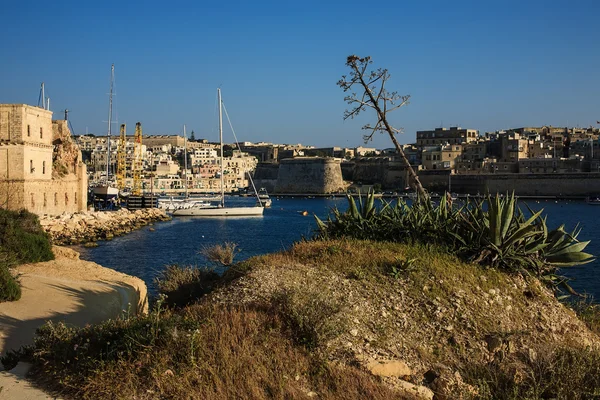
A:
580	184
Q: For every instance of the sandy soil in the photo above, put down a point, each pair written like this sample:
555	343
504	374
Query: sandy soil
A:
65	289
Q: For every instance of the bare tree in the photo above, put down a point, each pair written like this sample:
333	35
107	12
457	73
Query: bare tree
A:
374	95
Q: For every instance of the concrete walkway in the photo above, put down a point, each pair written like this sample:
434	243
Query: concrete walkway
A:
66	289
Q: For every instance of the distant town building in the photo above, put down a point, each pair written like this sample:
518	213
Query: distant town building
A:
442	136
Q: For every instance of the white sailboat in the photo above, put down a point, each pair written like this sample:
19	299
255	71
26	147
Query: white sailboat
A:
105	190
220	210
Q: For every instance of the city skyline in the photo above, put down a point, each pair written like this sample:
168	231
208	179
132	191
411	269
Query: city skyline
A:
485	67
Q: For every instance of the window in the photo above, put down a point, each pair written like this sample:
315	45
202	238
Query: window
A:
45	200
32	200
75	197
31	169
28	130
55	199
43	167
66	199
41	132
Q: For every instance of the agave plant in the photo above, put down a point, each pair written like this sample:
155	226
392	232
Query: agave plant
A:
493	233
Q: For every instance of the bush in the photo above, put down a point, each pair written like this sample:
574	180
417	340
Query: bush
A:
9	286
22	238
185	285
221	253
493	233
561	373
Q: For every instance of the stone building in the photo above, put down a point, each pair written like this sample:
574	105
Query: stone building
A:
442	136
40	165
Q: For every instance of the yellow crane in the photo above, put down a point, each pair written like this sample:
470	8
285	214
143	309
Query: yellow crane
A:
137	160
121	159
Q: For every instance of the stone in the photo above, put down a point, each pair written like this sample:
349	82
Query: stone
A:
416	391
389	368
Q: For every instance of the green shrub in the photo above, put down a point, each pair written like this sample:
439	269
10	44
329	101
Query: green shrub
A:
494	233
9	286
185	285
22	238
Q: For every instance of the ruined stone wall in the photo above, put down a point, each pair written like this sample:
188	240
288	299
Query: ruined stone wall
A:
309	175
66	155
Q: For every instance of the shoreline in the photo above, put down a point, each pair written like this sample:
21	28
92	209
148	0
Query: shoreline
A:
91	226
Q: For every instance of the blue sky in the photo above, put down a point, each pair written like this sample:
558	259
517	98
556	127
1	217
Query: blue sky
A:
483	65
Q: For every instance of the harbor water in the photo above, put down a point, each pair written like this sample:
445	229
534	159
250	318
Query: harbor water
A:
146	252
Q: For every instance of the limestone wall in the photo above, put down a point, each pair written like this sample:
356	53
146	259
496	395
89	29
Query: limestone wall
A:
568	184
31	146
265	176
309	175
23	123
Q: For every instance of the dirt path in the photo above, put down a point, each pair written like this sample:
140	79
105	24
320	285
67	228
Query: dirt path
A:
66	289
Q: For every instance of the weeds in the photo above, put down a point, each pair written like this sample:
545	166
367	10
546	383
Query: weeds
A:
185	285
200	352
561	373
222	254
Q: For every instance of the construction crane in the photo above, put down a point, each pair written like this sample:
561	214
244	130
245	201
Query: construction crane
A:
121	159
137	160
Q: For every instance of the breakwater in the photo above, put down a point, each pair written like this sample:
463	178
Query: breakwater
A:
90	226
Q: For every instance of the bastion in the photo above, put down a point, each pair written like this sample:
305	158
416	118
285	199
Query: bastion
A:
316	175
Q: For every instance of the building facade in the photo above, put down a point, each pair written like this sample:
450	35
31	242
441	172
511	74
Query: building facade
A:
40	165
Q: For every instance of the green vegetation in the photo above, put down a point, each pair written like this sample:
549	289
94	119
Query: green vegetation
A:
493	233
244	340
457	293
22	240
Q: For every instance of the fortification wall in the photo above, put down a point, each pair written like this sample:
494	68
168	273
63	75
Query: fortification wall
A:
566	184
563	184
309	175
265	176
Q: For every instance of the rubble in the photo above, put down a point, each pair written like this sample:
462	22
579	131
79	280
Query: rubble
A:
90	226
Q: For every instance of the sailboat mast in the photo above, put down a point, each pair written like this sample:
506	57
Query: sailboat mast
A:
185	161
112	80
221	141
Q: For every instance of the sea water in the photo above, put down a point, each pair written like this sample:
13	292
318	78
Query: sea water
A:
145	253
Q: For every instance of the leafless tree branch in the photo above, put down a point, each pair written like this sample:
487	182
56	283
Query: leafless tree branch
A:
368	83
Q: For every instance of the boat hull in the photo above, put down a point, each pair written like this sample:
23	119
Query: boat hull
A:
219	212
106	192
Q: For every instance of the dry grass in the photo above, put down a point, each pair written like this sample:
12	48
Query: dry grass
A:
185	285
203	352
221	253
281	315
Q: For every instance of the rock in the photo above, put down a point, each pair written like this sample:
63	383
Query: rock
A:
389	368
417	392
354	332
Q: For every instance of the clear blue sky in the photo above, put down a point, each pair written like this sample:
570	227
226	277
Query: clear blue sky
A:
483	65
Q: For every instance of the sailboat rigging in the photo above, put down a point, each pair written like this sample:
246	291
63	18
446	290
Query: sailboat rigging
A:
220	210
105	191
